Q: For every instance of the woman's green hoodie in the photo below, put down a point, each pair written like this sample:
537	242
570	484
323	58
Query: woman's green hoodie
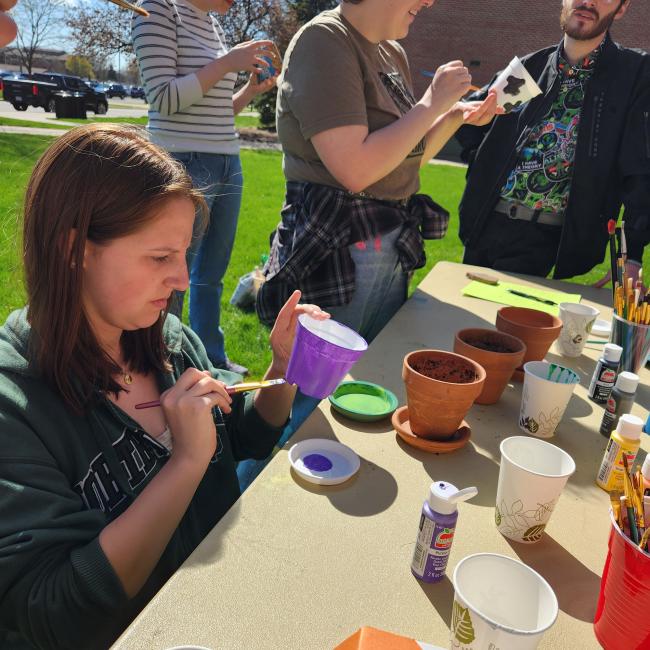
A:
64	477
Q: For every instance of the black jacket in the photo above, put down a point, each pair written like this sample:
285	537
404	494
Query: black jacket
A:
612	163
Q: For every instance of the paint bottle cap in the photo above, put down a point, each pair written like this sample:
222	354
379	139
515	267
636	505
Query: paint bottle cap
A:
629	426
627	382
612	352
444	496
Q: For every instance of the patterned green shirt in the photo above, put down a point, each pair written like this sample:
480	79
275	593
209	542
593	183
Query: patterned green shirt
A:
541	177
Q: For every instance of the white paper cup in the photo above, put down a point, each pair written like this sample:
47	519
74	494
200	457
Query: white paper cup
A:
515	86
577	321
543	398
532	475
499	602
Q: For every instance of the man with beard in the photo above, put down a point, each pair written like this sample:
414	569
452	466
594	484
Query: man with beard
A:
544	179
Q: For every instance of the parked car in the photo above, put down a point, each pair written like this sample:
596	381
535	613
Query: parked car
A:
7	74
137	92
116	90
40	90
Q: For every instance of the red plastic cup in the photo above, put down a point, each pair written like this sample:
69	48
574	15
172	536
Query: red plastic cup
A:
622	619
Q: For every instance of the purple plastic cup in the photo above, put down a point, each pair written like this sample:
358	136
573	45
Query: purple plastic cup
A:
323	353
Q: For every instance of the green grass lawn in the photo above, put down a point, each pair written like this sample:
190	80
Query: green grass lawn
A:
241	121
246	339
10	121
121	120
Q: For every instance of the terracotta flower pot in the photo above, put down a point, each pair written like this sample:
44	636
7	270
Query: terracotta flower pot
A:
536	329
497	352
440	389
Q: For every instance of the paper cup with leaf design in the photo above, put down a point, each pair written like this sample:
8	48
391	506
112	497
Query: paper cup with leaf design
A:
532	475
546	393
515	86
499	602
577	321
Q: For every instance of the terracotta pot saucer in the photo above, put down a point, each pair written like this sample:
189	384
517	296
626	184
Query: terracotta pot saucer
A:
401	424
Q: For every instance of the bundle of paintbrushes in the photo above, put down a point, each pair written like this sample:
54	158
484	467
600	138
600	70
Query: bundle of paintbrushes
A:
631	302
632	508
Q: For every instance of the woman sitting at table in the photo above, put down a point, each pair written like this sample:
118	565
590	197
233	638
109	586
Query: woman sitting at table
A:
99	502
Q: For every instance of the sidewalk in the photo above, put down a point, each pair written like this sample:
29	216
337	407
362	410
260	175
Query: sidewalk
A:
245	144
28	130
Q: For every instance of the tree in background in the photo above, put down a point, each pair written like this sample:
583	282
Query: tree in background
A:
133	72
100	31
79	66
38	26
305	10
284	21
246	20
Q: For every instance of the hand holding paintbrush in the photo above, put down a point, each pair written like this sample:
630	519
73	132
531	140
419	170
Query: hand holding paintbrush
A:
231	390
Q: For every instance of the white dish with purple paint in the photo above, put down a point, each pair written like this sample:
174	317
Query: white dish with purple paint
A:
323	461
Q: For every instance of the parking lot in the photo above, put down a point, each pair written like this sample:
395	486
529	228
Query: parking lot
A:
116	108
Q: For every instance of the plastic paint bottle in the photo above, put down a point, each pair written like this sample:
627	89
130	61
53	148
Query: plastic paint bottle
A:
625	440
620	401
604	376
436	531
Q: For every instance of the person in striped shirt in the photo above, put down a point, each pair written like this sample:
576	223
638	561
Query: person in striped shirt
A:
189	78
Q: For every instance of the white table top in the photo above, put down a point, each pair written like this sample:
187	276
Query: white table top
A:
295	565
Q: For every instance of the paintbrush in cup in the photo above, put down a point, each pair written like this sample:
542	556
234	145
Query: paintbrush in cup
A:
235	388
611	230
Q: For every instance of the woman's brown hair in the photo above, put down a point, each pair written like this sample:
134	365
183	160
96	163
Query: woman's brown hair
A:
97	182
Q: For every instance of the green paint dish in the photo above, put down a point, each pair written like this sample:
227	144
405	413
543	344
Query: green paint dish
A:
363	401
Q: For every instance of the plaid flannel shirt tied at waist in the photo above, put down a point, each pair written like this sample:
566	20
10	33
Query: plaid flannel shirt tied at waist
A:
310	247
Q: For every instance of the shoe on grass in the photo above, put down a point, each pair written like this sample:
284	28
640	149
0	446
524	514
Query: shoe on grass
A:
233	367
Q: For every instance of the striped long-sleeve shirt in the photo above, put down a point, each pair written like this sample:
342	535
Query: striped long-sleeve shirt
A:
171	44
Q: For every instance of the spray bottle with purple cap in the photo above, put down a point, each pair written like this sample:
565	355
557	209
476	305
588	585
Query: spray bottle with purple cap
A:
436	531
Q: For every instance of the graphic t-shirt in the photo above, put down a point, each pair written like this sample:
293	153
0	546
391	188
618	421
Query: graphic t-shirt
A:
541	178
332	77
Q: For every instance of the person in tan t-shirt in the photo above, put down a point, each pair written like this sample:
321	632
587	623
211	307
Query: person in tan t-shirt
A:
354	139
347	120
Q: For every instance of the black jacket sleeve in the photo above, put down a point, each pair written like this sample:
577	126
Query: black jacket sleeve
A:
634	165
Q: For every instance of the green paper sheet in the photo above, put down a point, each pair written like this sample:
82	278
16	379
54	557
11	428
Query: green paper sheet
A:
501	295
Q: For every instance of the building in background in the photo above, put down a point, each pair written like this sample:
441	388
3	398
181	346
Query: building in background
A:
486	34
44	59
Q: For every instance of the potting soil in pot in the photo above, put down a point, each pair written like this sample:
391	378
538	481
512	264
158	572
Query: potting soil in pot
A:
445	370
489	345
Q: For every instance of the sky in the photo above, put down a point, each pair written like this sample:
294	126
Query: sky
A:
61	38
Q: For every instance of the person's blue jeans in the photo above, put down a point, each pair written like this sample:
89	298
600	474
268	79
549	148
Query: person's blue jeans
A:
381	288
220	179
